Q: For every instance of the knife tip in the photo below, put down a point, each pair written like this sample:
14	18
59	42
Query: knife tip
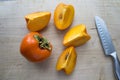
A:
96	17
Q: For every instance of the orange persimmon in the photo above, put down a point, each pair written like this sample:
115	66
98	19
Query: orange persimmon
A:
35	48
67	60
63	16
76	36
38	20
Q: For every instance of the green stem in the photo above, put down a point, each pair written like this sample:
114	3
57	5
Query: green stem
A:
43	42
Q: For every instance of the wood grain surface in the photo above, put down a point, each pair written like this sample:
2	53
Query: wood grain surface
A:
92	64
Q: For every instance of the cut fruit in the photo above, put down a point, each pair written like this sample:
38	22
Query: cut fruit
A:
37	21
76	36
63	16
67	60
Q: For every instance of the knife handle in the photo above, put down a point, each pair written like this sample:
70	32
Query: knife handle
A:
116	64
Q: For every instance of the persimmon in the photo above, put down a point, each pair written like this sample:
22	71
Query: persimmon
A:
38	20
76	36
63	16
35	48
67	60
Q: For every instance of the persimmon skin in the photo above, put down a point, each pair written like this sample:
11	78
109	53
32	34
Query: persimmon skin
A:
30	49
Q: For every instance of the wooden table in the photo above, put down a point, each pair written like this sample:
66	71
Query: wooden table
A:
92	64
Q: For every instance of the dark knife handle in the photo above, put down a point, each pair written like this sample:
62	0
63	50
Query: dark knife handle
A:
116	65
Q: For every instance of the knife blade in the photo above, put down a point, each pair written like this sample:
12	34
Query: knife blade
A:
107	44
104	36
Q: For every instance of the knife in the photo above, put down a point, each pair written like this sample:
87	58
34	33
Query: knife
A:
107	44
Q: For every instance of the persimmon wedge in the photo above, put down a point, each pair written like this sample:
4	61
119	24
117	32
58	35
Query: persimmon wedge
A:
35	48
37	21
76	36
67	60
63	16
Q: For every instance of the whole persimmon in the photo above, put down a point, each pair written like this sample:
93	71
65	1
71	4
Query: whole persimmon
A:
35	48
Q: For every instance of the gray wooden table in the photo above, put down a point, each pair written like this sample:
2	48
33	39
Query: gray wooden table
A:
92	64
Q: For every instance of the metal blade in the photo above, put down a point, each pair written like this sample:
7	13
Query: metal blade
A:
104	35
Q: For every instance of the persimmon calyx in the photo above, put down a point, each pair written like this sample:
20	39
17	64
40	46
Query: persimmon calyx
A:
43	42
